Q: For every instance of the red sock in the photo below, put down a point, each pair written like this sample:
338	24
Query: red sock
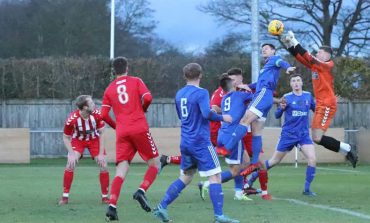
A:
149	177
262	175
115	190
67	180
104	182
175	159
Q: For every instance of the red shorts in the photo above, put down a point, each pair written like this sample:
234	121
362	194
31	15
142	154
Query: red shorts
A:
127	146
247	142
214	136
92	145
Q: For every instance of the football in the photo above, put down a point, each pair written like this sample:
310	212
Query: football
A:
276	27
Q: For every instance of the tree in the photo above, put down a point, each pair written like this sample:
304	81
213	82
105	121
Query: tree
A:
341	24
38	28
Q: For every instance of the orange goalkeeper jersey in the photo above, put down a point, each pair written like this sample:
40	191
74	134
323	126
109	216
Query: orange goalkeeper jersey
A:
322	78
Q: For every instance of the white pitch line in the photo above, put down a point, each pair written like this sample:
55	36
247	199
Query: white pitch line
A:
325	207
340	170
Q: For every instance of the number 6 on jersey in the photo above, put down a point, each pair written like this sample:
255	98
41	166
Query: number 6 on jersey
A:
184	109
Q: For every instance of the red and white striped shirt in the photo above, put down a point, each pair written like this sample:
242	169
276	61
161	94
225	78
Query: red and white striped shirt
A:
83	129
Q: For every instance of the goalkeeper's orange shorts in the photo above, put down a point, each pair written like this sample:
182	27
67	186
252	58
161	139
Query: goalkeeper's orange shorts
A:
323	116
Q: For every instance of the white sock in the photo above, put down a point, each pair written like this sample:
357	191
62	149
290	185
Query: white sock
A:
264	192
344	148
246	185
206	184
65	195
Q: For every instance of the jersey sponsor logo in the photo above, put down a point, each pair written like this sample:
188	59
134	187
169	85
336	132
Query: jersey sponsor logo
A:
315	76
298	113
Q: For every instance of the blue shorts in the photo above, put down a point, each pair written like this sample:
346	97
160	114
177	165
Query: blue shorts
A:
236	153
287	143
201	157
261	103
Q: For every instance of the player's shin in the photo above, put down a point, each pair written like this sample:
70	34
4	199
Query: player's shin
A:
310	175
226	176
115	190
256	148
330	143
104	183
67	181
172	193
217	198
149	178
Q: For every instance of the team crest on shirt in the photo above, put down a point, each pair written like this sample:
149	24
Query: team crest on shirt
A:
315	75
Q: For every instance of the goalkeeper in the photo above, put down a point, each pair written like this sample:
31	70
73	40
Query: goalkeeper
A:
321	66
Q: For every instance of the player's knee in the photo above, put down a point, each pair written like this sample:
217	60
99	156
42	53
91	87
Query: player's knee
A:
311	161
103	169
316	139
70	167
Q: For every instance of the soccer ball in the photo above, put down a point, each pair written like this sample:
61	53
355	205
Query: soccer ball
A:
276	27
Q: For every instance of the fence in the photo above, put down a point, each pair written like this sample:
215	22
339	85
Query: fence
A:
46	117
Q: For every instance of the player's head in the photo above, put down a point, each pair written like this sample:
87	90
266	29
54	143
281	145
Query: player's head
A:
324	53
236	74
296	82
268	50
85	103
226	83
192	71
120	65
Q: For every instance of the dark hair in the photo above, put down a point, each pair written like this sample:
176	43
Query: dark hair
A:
192	71
327	49
226	82
270	45
235	71
81	101
295	75
120	65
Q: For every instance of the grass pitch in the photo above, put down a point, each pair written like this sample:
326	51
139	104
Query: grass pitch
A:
29	193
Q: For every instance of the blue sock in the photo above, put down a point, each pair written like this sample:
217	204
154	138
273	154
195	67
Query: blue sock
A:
256	148
237	135
253	177
172	193
267	165
238	180
226	176
217	198
310	174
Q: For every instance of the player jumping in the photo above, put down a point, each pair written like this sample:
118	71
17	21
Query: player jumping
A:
323	87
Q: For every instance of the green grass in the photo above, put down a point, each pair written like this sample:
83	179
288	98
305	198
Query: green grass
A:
29	193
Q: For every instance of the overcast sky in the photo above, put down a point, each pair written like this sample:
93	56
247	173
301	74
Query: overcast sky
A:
180	23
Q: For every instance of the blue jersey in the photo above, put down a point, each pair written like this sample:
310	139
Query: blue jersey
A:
270	73
296	119
234	104
193	109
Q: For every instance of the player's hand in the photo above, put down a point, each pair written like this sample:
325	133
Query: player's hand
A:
72	159
283	103
290	70
100	160
244	87
227	118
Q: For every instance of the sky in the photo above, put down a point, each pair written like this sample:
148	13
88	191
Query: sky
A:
182	24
